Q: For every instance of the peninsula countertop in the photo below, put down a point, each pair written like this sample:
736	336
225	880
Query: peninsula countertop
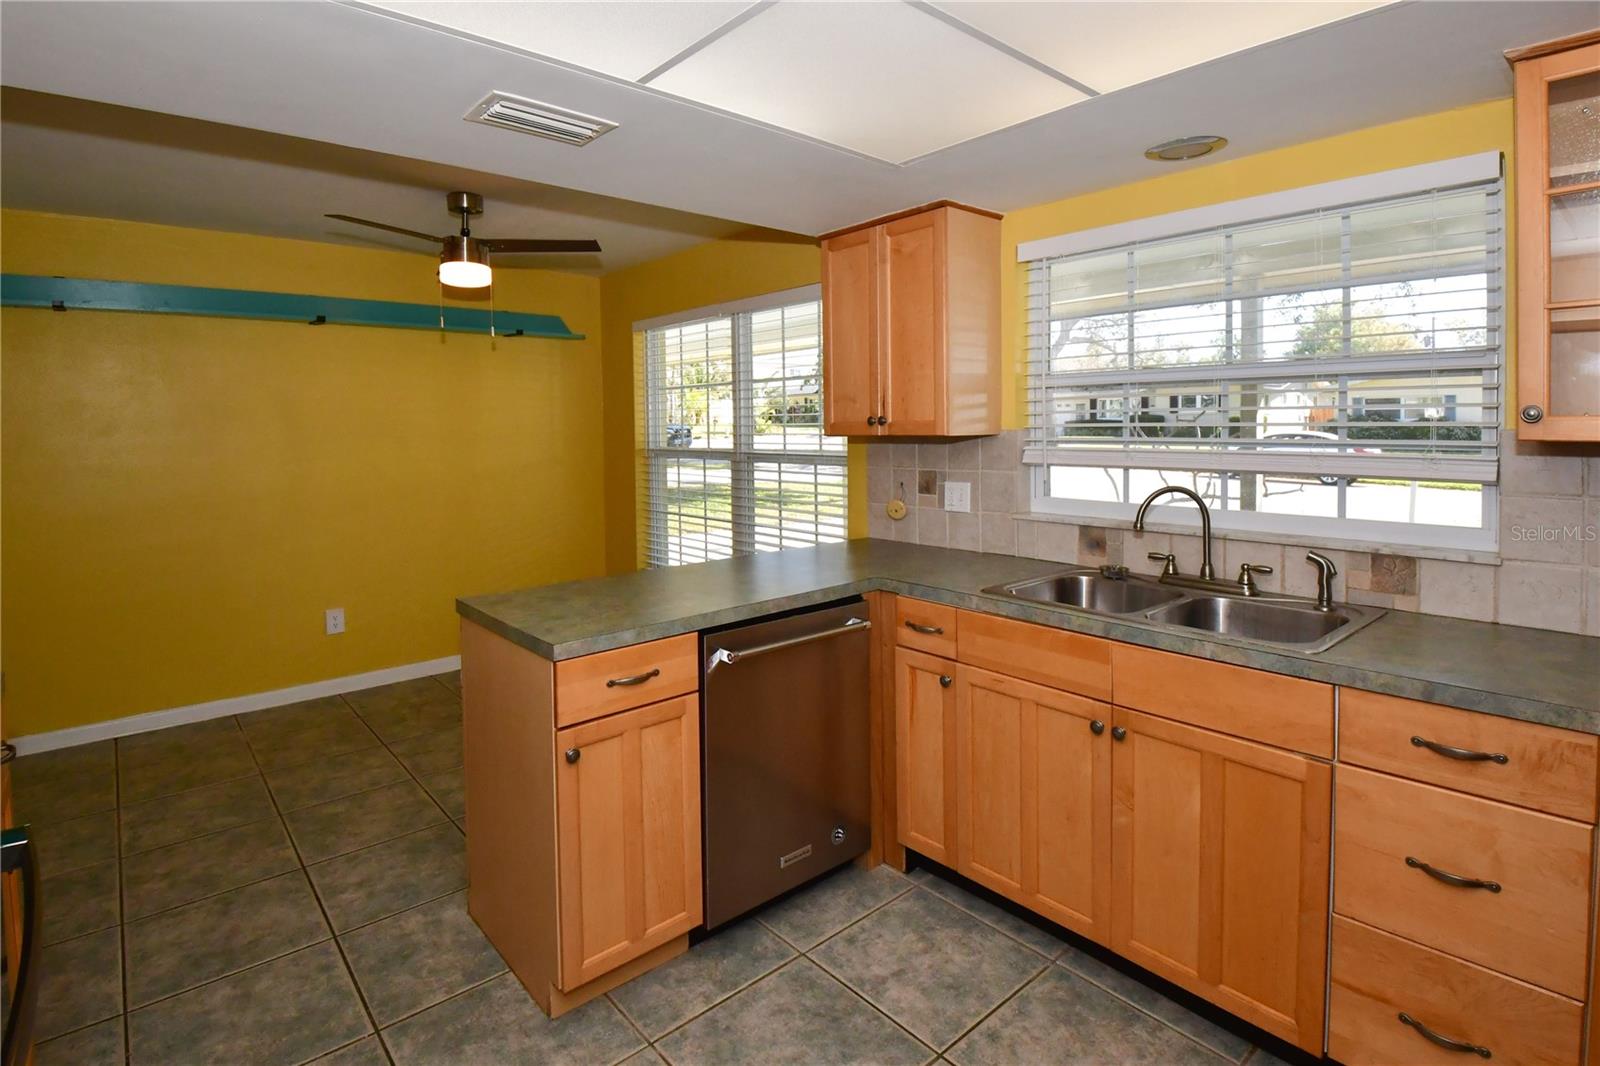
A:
1534	675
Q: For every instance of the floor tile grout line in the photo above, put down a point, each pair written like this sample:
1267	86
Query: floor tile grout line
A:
457	994
842	983
327	922
167	997
1155	1017
631	1024
1013	994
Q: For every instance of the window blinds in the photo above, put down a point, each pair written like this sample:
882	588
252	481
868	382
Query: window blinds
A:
1362	340
735	455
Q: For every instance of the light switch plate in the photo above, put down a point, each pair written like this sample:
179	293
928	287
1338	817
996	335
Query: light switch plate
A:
958	496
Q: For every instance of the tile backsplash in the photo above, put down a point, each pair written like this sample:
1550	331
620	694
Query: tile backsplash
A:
1548	575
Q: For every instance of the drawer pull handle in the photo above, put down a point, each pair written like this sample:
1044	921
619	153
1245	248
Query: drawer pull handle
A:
1118	733
1096	726
636	679
1444	1041
1450	878
573	755
1464	754
944	680
927	631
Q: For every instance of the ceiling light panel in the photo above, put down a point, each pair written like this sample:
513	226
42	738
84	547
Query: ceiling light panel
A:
1109	46
883	79
625	40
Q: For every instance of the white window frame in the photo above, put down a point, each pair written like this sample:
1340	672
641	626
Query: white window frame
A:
743	458
1448	541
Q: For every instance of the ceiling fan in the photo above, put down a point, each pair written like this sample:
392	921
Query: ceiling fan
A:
463	258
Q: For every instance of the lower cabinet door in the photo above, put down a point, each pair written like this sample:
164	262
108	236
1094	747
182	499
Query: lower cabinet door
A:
628	814
925	753
1220	870
1033	797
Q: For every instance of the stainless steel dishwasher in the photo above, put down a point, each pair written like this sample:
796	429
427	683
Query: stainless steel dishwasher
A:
786	753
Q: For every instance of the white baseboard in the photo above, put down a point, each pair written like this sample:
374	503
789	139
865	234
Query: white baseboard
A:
200	712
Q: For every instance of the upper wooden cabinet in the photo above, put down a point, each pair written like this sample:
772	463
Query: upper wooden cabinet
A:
911	325
1558	239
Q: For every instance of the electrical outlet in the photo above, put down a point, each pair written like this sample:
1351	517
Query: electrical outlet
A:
958	496
333	620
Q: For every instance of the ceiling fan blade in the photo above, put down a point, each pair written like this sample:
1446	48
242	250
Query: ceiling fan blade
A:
540	246
385	225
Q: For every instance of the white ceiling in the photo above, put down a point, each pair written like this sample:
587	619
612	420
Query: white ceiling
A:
75	157
384	82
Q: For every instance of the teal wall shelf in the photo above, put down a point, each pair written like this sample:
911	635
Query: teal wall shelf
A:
70	294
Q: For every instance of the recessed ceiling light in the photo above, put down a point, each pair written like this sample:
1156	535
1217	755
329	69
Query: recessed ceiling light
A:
1186	148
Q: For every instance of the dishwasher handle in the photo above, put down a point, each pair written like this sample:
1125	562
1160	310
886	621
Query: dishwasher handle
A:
724	655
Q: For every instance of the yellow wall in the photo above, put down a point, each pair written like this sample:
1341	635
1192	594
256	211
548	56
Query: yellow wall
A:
716	272
183	497
1480	128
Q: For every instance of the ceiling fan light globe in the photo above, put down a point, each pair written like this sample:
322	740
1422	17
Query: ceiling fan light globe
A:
464	264
459	274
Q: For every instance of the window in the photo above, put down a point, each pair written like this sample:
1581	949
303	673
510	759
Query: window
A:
1335	371
737	461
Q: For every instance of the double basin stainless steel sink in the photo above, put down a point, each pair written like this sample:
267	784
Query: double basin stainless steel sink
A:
1264	618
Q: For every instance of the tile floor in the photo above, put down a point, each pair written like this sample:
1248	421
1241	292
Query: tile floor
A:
288	886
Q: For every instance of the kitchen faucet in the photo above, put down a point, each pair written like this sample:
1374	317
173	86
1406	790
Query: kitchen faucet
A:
1207	571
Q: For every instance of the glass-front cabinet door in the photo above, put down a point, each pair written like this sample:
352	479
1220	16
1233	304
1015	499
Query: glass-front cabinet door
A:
1558	239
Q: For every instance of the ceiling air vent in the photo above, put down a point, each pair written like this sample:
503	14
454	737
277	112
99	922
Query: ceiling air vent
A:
540	119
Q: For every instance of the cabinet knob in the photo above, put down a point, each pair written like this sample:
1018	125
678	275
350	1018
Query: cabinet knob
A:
1118	733
573	755
944	680
1097	727
1532	413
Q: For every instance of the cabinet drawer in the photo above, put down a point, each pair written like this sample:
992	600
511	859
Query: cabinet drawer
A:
611	681
913	620
1532	926
1053	657
1288	712
1536	766
1377	977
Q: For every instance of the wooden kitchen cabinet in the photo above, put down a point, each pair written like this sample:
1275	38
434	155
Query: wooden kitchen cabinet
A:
1220	870
628	806
1558	239
911	325
925	753
1033	797
584	860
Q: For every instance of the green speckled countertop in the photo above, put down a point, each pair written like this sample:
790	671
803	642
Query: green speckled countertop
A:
1531	674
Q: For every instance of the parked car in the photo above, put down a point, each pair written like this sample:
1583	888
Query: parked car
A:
679	435
1313	435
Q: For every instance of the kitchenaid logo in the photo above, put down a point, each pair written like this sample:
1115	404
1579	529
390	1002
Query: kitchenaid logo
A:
1585	534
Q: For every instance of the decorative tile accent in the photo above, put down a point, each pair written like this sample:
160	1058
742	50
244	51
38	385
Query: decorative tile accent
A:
1394	574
